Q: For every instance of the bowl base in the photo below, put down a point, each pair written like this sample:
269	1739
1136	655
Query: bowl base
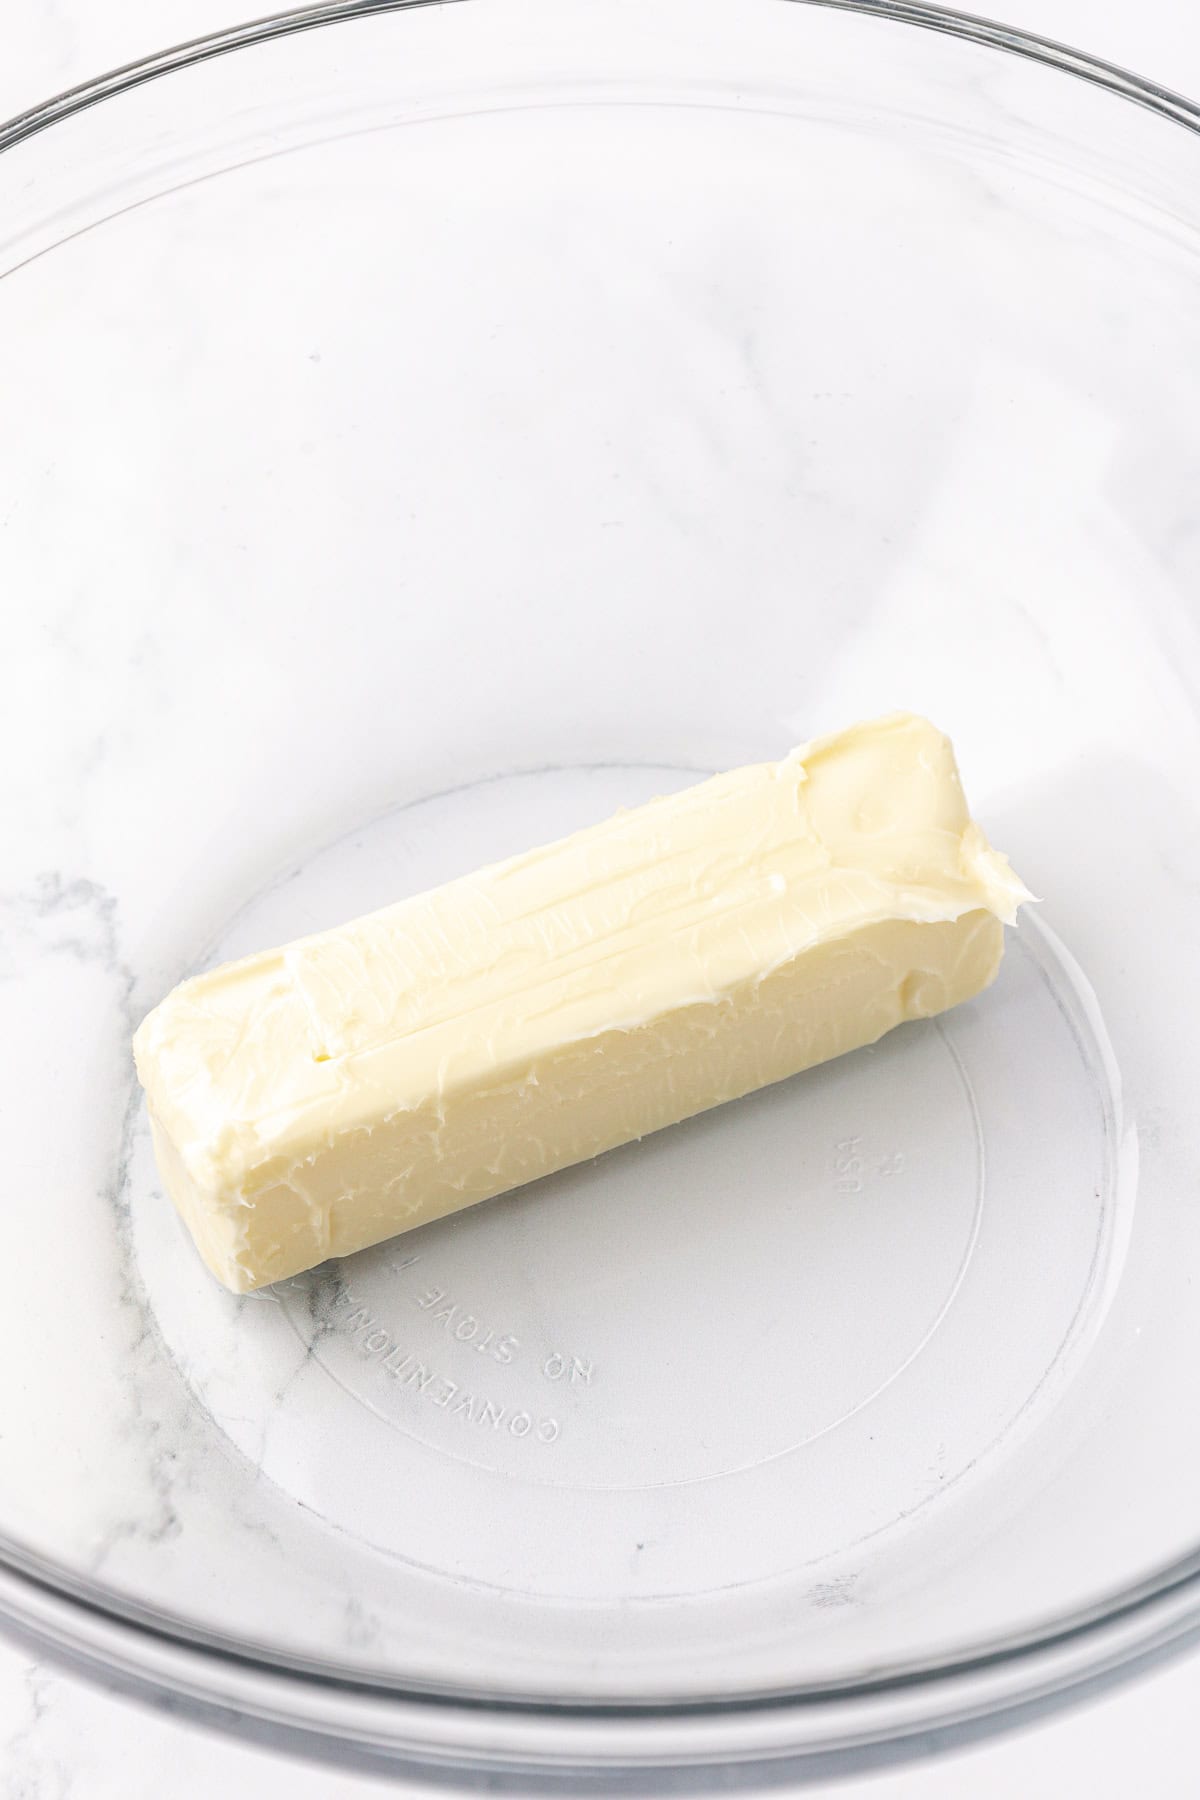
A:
746	1346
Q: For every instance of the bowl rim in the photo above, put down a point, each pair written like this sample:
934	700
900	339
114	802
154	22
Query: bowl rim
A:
971	28
130	1647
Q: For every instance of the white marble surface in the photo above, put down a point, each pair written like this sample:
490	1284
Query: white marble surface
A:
60	1736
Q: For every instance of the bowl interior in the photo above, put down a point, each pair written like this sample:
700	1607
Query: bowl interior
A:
425	436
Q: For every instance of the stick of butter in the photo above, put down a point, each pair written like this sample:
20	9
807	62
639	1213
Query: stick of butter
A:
309	1101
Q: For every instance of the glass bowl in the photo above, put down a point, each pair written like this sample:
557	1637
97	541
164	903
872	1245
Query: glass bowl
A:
425	434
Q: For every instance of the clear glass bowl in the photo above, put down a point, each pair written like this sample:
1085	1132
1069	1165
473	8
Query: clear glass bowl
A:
423	435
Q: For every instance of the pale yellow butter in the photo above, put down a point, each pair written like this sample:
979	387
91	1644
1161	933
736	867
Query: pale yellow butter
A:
309	1101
